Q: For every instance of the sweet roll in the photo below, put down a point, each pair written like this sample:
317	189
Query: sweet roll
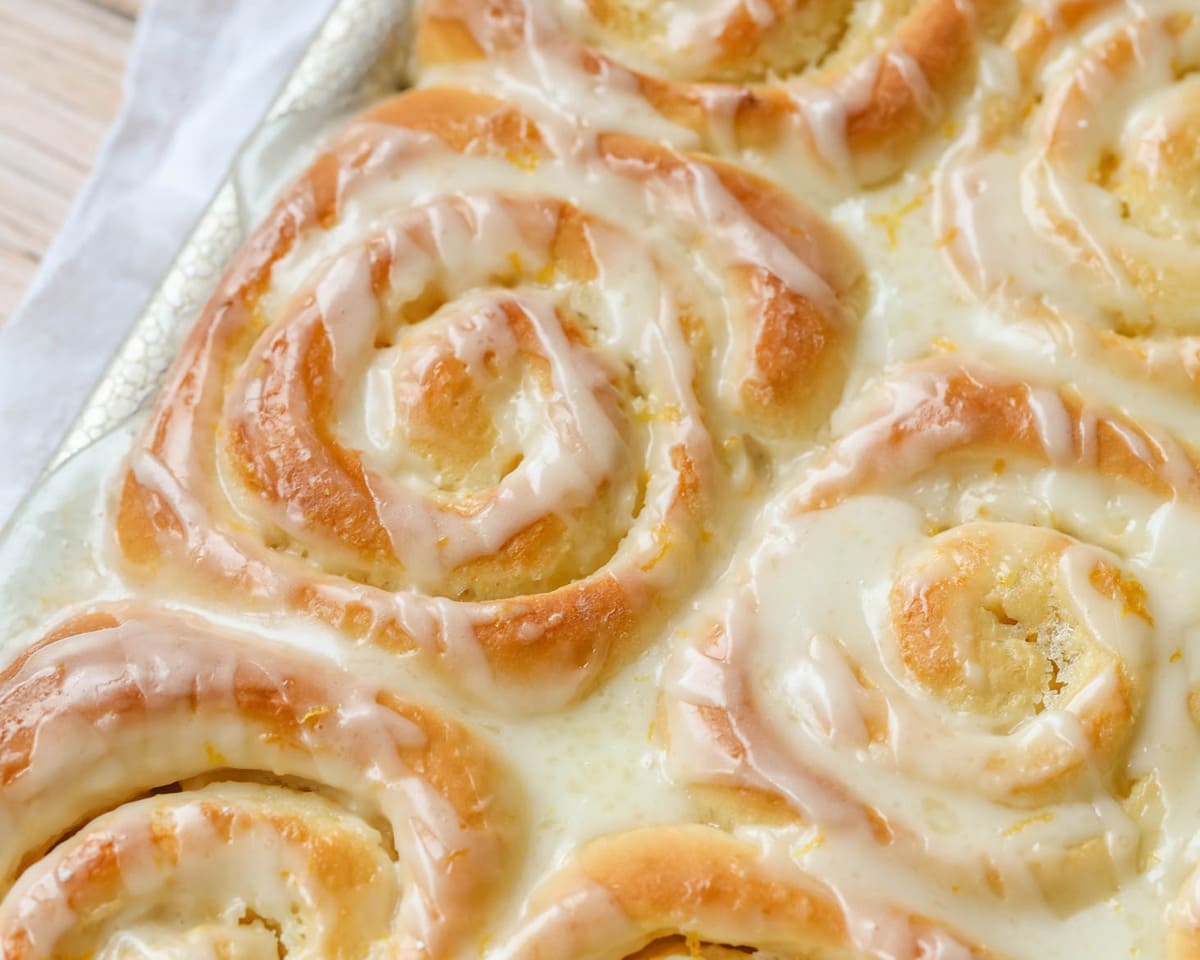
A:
1072	198
841	88
169	787
696	891
474	389
943	644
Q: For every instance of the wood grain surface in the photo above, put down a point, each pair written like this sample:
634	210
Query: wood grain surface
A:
61	63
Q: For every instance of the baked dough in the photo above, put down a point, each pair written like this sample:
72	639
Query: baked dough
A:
687	480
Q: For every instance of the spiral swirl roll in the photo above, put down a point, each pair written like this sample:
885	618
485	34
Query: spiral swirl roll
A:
694	891
313	816
853	90
944	645
473	387
1076	197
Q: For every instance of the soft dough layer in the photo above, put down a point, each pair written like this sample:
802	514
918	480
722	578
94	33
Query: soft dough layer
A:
566	543
974	691
838	91
476	387
1072	196
128	700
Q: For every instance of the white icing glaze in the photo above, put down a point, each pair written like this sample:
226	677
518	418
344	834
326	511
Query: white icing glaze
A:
154	701
1069	202
590	382
821	580
807	661
217	856
564	52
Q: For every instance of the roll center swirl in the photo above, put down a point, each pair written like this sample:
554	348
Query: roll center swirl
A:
478	440
478	417
1003	622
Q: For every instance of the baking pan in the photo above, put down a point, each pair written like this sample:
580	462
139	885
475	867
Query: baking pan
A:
358	54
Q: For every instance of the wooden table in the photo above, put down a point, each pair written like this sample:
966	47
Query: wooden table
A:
61	63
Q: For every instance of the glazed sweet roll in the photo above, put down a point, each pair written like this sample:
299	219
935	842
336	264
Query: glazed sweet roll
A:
698	892
221	796
944	648
474	388
1073	200
842	88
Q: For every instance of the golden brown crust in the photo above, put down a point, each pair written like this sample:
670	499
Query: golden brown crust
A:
255	400
1093	153
94	871
1032	651
893	80
981	415
177	700
986	625
635	893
